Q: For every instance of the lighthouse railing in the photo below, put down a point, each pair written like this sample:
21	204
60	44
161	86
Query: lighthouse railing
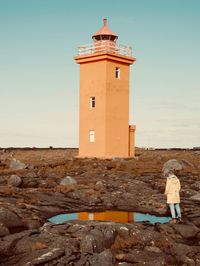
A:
104	46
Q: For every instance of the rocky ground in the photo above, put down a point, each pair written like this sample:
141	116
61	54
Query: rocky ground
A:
36	184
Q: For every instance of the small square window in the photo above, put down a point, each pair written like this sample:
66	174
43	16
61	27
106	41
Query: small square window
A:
92	135
92	102
117	73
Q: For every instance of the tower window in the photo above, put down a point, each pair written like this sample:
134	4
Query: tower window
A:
92	135
92	102
117	73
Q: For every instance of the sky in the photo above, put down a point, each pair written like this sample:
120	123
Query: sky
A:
39	79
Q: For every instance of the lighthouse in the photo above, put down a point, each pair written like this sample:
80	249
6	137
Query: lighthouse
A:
104	129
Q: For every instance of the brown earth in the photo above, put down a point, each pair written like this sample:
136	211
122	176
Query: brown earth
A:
134	184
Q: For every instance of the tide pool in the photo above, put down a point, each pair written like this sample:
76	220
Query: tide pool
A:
135	217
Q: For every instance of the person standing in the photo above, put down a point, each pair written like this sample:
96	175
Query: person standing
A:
172	190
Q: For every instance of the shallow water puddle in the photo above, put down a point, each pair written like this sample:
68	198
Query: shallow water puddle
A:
115	216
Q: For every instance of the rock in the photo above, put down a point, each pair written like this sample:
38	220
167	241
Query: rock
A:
3	164
8	244
99	240
32	175
187	163
52	175
110	166
17	165
88	244
99	185
153	249
181	253
31	167
68	180
3	230
124	264
117	159
47	256
32	224
196	185
196	197
3	180
171	165
14	181
104	258
109	235
27	183
188	231
196	221
9	218
129	185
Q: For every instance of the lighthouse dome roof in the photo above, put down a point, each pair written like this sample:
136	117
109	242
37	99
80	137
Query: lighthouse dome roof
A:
105	31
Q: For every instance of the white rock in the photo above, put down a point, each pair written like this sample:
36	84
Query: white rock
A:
14	181
68	180
17	165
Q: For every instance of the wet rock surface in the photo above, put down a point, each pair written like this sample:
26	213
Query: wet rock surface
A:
133	184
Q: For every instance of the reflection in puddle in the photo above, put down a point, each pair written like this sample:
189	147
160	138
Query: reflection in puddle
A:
115	216
141	217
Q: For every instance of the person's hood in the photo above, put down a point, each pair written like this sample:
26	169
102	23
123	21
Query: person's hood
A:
172	176
173	179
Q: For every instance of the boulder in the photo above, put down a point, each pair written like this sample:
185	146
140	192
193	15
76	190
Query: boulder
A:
9	219
104	258
68	180
14	181
32	224
196	197
171	165
47	256
188	231
196	186
3	230
88	244
17	165
100	185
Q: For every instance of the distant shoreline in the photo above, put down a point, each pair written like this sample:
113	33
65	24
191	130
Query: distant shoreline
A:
66	148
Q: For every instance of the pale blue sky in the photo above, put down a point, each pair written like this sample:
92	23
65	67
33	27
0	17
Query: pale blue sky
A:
39	80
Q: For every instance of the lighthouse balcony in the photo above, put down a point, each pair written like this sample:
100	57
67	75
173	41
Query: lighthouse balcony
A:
105	46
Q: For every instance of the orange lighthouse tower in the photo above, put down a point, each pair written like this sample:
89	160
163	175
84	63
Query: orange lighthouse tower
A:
104	129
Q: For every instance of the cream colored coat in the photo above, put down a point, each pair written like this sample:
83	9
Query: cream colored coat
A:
172	189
